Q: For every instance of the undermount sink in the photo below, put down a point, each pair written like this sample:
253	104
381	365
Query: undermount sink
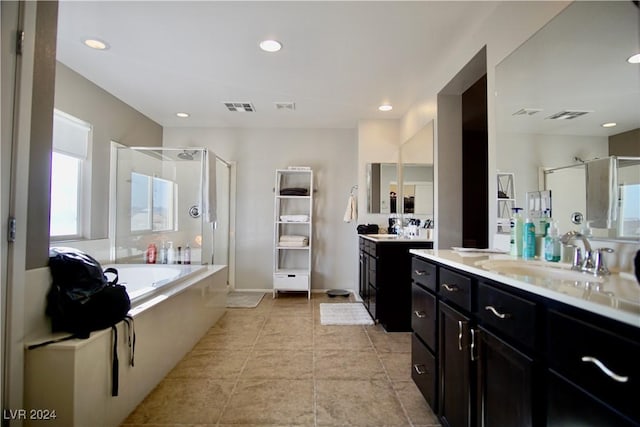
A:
539	269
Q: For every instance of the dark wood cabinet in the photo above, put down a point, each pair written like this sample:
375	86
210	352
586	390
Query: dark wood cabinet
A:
505	378
456	407
508	357
388	277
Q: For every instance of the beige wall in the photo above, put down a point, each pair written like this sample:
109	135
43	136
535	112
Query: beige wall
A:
331	153
625	144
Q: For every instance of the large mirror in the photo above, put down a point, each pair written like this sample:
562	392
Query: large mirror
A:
567	96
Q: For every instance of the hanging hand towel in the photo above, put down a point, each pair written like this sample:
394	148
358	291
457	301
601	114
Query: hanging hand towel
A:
351	213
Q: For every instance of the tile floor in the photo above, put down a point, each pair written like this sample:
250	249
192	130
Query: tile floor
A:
275	365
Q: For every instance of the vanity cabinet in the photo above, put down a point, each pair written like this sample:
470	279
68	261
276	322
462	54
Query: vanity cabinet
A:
508	357
385	280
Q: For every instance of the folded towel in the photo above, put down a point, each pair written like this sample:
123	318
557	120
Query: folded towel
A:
294	191
294	218
292	238
294	244
351	213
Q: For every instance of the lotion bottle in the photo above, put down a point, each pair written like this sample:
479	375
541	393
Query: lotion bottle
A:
170	254
516	233
529	240
187	254
552	244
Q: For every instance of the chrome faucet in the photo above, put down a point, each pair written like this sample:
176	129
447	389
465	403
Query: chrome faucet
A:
592	261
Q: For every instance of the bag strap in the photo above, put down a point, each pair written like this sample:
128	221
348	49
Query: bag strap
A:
112	271
131	332
114	362
42	344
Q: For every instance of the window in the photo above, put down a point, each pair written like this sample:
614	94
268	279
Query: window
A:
69	171
152	203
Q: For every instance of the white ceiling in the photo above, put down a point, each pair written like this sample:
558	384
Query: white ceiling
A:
339	61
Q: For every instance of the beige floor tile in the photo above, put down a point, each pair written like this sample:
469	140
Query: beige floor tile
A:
340	364
221	364
397	365
389	342
358	403
288	325
192	401
341	337
288	402
283	341
279	364
227	341
414	404
233	322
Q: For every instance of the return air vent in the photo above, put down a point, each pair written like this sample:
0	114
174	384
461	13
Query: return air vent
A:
567	115
526	112
291	106
240	106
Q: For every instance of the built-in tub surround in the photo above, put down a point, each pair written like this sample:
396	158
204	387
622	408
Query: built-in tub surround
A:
74	377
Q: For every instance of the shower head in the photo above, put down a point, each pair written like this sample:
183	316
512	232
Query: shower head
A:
186	155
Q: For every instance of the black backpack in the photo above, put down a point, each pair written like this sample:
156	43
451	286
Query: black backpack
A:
82	300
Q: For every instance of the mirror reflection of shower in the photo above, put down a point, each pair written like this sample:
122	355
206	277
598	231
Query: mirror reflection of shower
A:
162	200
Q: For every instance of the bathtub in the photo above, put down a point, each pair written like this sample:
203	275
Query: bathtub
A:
173	306
144	280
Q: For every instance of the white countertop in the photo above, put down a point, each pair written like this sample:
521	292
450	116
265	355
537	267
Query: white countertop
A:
393	238
616	296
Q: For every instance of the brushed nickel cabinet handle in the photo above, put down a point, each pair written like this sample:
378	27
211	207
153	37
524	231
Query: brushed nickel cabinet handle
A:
420	314
450	288
496	312
460	335
473	345
604	369
421	272
420	369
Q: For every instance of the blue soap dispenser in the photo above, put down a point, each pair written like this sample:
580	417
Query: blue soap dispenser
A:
529	239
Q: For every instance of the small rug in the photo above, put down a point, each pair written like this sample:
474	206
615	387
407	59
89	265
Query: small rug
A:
344	314
244	299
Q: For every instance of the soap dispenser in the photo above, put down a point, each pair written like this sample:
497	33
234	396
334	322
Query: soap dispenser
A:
552	244
529	239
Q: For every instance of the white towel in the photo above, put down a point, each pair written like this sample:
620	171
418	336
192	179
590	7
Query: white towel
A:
351	213
294	218
292	238
299	244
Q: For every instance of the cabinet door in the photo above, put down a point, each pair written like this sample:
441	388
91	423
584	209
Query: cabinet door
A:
424	315
363	283
567	405
456	391
505	383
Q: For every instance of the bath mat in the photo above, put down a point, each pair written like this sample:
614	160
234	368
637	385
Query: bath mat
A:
344	314
244	299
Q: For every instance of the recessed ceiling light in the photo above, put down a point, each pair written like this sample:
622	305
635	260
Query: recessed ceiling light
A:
270	45
183	115
385	107
96	44
634	59
609	125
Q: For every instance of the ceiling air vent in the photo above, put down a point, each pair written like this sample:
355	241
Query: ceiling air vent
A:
567	115
291	106
240	106
526	112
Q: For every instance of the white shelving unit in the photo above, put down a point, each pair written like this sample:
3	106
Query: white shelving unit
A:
293	230
506	198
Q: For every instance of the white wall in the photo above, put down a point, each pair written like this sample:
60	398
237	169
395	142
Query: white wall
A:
331	153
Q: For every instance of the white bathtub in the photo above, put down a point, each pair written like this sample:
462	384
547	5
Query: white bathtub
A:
144	280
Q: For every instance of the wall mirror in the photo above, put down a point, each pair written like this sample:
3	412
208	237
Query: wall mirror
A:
555	93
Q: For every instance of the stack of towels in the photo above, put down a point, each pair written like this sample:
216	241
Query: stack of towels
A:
293	240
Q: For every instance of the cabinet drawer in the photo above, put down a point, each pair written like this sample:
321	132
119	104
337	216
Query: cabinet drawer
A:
597	360
424	315
423	370
423	273
371	247
455	288
291	282
507	313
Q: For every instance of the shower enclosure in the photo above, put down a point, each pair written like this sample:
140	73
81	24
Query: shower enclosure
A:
174	198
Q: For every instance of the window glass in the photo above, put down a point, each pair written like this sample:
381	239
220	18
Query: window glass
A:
140	202
65	195
163	206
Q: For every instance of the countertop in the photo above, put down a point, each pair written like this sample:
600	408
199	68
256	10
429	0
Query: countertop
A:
616	296
393	238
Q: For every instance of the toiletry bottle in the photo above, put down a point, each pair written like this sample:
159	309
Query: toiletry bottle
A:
516	233
151	253
162	257
179	257
187	254
552	244
170	254
529	239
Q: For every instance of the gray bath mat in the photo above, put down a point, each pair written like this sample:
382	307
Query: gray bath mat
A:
244	299
344	314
